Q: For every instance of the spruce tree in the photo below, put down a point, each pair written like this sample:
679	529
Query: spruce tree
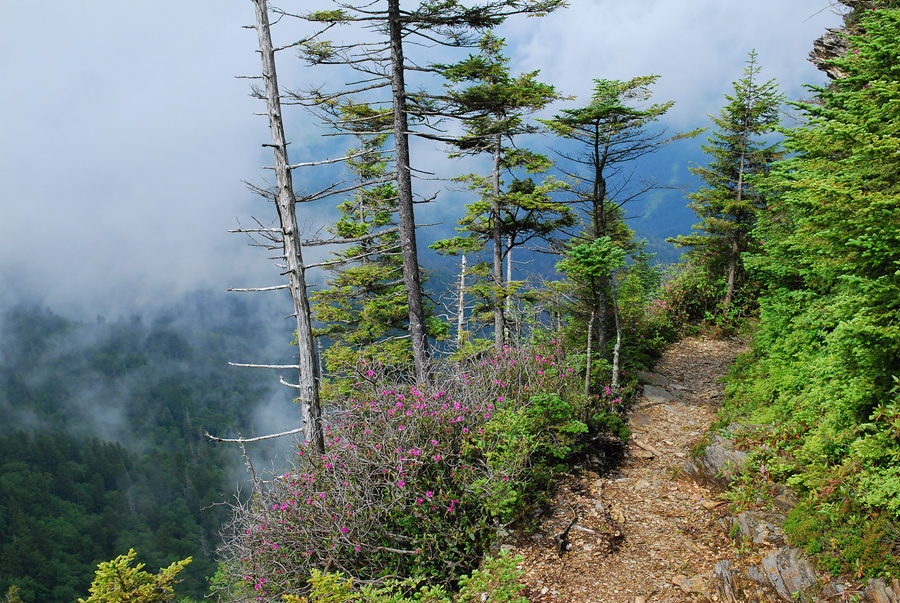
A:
611	131
364	309
493	104
728	204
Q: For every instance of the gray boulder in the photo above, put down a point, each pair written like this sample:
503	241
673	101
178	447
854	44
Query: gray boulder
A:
788	571
653	378
761	528
657	395
879	592
718	464
724	581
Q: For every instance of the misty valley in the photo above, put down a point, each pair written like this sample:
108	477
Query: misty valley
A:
101	438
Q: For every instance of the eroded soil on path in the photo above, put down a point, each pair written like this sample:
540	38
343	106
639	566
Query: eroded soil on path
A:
642	532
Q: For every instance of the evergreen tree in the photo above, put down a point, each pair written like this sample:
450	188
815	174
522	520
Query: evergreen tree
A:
493	106
117	581
610	132
383	64
364	308
729	203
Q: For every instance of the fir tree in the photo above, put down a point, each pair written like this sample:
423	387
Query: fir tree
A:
729	203
493	107
611	131
364	307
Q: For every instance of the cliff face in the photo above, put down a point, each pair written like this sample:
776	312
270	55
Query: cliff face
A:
833	44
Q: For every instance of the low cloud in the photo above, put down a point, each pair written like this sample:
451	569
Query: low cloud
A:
128	136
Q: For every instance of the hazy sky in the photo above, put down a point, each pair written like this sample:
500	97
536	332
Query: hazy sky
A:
124	136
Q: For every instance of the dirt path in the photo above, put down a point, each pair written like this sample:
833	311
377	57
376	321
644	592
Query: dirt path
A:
641	532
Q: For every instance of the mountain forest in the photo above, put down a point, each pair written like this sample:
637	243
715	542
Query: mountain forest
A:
429	398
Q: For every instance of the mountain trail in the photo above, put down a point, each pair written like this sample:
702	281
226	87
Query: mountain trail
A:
642	532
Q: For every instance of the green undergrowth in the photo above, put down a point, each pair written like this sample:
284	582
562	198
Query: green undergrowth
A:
824	370
497	581
838	460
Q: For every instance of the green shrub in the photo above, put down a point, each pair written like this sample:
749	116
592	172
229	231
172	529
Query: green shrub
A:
497	582
414	480
846	541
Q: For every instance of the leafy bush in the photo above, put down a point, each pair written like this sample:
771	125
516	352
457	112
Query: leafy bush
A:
496	582
414	480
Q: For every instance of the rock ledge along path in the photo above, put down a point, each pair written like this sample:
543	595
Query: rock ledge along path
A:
643	533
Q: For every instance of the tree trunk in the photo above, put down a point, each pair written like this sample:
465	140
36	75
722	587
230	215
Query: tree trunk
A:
286	202
732	269
735	240
407	230
599	305
461	306
508	307
601	226
615	367
602	318
499	290
587	372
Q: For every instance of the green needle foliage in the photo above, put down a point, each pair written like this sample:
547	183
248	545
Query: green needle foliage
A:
365	307
492	105
728	204
827	355
118	582
592	260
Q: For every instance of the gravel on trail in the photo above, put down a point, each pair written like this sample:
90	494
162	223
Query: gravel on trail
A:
643	533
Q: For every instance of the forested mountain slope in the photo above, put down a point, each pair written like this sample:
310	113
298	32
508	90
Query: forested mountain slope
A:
102	447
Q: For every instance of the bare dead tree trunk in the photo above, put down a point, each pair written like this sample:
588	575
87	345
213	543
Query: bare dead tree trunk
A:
411	279
461	306
499	290
615	368
293	253
508	307
587	372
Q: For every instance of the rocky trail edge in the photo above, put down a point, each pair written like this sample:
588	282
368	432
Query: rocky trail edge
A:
644	531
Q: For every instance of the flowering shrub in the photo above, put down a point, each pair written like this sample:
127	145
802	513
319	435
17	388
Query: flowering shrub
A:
414	479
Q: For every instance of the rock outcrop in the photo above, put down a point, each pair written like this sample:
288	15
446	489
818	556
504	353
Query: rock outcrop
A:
773	571
831	45
717	465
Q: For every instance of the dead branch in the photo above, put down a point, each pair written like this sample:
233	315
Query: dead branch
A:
647	447
268	366
240	440
260	288
562	539
283	382
374	235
